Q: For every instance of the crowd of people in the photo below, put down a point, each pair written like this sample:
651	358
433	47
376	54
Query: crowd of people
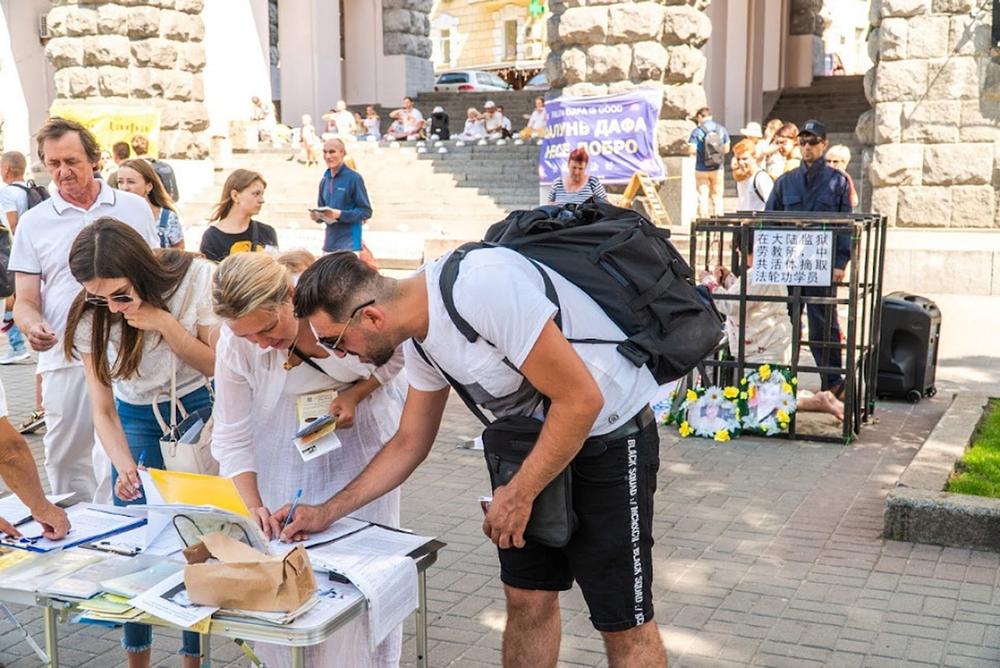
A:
119	312
758	160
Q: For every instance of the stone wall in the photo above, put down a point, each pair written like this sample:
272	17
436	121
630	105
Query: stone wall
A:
147	51
406	25
600	48
934	130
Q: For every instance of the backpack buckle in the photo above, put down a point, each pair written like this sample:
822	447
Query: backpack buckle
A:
633	353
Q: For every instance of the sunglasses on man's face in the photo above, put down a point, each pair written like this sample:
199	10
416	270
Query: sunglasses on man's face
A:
810	141
332	343
96	300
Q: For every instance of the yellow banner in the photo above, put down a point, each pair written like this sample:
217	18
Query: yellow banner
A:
113	123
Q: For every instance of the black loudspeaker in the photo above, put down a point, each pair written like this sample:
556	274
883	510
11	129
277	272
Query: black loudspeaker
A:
908	347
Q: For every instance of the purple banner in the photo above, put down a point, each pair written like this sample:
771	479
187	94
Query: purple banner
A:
618	131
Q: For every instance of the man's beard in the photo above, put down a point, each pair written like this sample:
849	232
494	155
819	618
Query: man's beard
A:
380	349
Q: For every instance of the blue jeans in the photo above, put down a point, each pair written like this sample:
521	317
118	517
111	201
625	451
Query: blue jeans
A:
143	432
14	336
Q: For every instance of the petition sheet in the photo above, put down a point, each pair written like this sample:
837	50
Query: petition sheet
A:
15	512
169	601
338	529
376	540
388	582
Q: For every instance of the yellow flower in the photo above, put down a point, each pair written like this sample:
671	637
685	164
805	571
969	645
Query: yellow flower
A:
743	396
783	417
765	371
730	393
752	392
685	429
722	435
691	395
786	388
795	381
743	381
783	425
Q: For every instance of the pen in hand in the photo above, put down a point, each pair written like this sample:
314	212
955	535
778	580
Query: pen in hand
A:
291	511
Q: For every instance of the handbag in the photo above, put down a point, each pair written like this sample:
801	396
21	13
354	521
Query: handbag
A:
507	442
186	446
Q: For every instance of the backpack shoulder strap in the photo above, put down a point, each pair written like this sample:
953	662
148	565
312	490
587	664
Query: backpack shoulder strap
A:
449	276
458	387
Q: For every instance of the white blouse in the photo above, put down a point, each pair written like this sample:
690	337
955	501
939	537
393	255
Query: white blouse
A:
191	306
255	420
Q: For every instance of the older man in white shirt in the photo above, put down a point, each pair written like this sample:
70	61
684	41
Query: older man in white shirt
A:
46	289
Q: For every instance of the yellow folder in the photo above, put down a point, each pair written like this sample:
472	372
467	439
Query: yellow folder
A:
194	489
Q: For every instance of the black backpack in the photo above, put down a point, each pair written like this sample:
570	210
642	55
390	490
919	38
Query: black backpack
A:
36	194
167	178
625	264
713	148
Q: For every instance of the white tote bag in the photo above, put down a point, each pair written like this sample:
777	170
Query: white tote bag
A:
186	446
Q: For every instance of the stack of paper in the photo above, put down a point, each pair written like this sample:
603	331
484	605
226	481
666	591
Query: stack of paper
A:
15	512
108	609
169	601
87	524
86	582
140	581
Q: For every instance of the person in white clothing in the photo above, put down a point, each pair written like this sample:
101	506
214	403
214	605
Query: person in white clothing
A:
589	403
267	361
142	322
536	121
46	288
753	184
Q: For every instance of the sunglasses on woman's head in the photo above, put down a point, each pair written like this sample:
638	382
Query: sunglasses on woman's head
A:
103	301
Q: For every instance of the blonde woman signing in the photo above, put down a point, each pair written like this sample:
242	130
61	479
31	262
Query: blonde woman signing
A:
266	361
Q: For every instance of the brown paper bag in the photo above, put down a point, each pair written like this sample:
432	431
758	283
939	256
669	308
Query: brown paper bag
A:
247	579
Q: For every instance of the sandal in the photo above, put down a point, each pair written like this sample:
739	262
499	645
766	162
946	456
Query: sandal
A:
34	422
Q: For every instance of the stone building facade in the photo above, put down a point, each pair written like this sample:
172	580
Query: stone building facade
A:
606	48
934	130
125	51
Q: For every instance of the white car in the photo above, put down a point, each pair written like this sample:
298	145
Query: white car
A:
469	81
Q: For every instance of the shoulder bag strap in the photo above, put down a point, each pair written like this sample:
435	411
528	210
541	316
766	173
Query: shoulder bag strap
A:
458	387
308	360
253	236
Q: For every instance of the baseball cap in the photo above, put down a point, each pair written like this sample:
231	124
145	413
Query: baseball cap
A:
438	110
815	128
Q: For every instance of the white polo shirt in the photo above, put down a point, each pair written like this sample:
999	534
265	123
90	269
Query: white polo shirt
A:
44	237
502	295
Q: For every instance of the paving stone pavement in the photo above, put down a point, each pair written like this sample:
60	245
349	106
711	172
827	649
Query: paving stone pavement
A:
767	554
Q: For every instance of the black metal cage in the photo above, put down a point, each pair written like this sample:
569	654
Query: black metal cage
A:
728	241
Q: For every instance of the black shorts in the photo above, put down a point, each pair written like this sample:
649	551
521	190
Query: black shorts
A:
610	555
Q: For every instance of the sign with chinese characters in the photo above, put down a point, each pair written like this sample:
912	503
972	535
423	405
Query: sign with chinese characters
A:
792	257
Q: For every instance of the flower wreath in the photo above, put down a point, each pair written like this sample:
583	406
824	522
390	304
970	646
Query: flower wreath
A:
762	404
709	412
767	400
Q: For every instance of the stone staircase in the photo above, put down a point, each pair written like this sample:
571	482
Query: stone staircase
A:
508	174
836	101
414	199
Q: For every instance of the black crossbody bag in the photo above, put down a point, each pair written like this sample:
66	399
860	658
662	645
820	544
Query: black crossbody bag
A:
507	442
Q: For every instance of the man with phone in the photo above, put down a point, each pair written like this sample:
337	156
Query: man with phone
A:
343	204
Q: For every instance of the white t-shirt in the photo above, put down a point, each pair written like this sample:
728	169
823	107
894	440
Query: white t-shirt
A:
191	306
754	192
13	198
502	295
537	120
44	237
